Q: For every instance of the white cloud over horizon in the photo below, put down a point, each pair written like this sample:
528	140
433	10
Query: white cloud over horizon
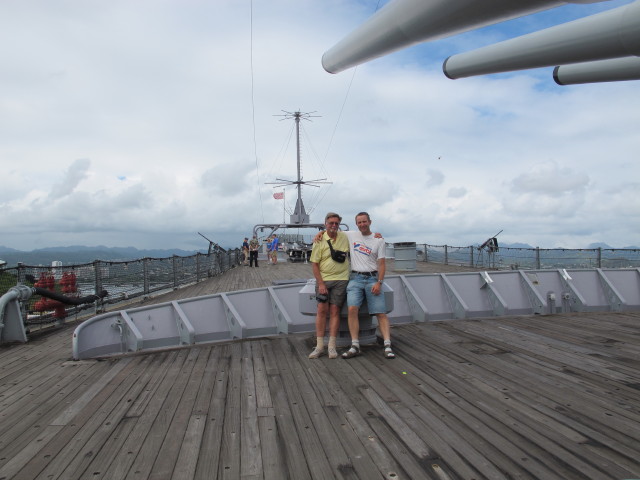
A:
142	123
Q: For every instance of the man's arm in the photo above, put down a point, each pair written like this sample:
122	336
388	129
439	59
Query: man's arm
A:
382	268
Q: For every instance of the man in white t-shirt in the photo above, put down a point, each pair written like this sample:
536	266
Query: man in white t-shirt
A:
367	274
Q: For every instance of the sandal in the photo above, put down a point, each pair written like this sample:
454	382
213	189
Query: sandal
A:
352	352
388	353
316	353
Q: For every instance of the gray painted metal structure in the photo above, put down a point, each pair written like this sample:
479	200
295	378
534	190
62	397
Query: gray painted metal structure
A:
612	34
291	308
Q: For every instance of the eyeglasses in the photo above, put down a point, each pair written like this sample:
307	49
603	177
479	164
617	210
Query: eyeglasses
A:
333	223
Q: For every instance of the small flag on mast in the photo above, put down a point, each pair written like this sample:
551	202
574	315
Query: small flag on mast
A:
278	195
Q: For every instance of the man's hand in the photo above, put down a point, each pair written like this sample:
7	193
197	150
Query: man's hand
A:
377	235
318	237
376	289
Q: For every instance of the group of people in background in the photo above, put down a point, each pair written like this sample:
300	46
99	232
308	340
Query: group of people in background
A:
251	247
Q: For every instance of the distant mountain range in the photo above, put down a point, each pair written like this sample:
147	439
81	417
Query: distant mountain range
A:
78	254
590	246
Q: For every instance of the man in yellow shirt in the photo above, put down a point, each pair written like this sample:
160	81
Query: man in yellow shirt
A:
331	271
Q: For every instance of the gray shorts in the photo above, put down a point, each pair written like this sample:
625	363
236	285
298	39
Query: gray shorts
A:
337	291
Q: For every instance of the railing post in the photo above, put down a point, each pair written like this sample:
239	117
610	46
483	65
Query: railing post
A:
446	255
21	275
97	272
174	263
538	258
198	267
97	275
145	276
471	255
426	255
599	257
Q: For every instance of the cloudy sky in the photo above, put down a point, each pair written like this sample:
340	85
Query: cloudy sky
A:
140	123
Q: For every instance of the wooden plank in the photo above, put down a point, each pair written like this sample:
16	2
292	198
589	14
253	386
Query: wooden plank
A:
164	464
100	463
58	452
515	397
209	461
160	384
22	421
307	388
535	431
190	448
315	451
273	463
250	453
339	379
144	463
17	462
69	414
229	466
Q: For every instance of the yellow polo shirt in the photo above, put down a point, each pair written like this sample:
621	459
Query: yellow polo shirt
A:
321	254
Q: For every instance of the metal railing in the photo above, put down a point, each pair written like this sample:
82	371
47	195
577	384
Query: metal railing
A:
529	258
123	280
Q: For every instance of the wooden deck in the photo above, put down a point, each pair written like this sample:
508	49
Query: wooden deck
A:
545	397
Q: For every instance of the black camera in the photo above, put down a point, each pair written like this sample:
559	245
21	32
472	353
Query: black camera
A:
321	298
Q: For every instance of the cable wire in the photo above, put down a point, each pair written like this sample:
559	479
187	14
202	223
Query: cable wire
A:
253	112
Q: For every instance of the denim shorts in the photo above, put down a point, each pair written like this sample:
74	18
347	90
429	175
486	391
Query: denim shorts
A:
359	288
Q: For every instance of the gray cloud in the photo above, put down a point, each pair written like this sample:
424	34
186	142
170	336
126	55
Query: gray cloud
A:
72	177
180	103
434	178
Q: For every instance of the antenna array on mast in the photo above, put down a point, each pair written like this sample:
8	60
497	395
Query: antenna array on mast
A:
299	215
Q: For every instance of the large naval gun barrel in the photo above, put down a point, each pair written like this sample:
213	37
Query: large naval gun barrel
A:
612	70
402	23
607	35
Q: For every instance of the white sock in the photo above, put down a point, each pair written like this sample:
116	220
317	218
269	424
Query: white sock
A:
320	343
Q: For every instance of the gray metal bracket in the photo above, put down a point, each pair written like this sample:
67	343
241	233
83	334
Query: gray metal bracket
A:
131	339
282	318
577	302
538	303
416	307
185	328
237	327
614	297
460	308
497	302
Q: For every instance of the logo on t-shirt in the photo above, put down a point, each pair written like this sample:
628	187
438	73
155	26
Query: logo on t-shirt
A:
361	248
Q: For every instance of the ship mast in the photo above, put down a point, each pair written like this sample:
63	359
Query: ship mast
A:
299	218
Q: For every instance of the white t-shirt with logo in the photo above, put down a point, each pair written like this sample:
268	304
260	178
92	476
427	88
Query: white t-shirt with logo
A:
365	250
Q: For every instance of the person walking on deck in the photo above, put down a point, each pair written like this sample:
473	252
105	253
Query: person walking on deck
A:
254	245
331	271
273	249
245	252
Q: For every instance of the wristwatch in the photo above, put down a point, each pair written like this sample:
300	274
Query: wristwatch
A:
380	281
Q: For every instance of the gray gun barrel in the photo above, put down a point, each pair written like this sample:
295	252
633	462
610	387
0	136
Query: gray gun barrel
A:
611	34
402	23
613	70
